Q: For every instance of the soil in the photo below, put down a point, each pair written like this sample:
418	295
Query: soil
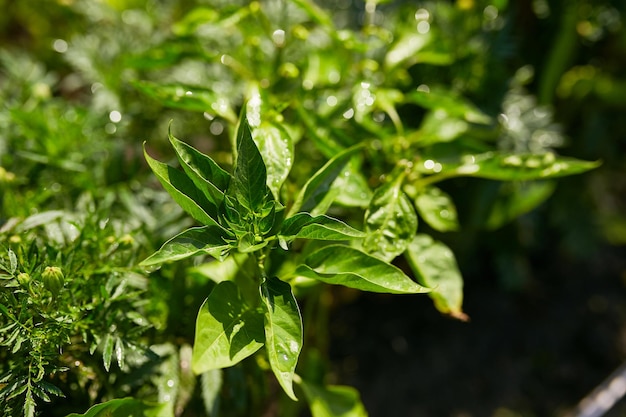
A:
531	352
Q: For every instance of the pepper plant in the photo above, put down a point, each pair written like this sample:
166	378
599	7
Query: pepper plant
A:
242	216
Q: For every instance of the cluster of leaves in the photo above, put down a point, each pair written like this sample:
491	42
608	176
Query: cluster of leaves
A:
68	291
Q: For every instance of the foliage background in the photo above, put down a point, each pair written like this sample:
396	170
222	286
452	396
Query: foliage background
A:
545	292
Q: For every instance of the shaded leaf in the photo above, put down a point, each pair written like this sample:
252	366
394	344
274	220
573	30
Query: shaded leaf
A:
343	265
333	400
283	331
208	240
227	330
515	199
313	192
437	209
435	266
323	227
183	191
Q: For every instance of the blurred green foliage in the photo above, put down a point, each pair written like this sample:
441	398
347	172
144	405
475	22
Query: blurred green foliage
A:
429	88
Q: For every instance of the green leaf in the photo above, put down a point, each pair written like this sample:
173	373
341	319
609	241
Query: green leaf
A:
333	400
509	166
318	185
283	331
227	330
517	198
406	48
435	266
188	98
528	166
205	173
343	265
248	184
208	240
125	407
390	221
437	209
183	191
352	189
12	262
211	385
450	102
107	351
439	126
323	227
276	147
29	405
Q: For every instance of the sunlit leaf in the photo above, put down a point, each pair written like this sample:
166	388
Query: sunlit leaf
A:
390	221
343	265
509	167
194	19
313	192
208	240
303	225
352	189
437	209
125	407
227	330
248	184
435	266
283	331
205	173
333	400
12	262
188	98
107	351
439	126
211	385
406	48
276	147
452	103
183	191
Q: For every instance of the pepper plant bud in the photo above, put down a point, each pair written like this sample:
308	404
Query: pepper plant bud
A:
53	279
23	278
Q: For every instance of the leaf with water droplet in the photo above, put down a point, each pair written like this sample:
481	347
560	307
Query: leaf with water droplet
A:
283	331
